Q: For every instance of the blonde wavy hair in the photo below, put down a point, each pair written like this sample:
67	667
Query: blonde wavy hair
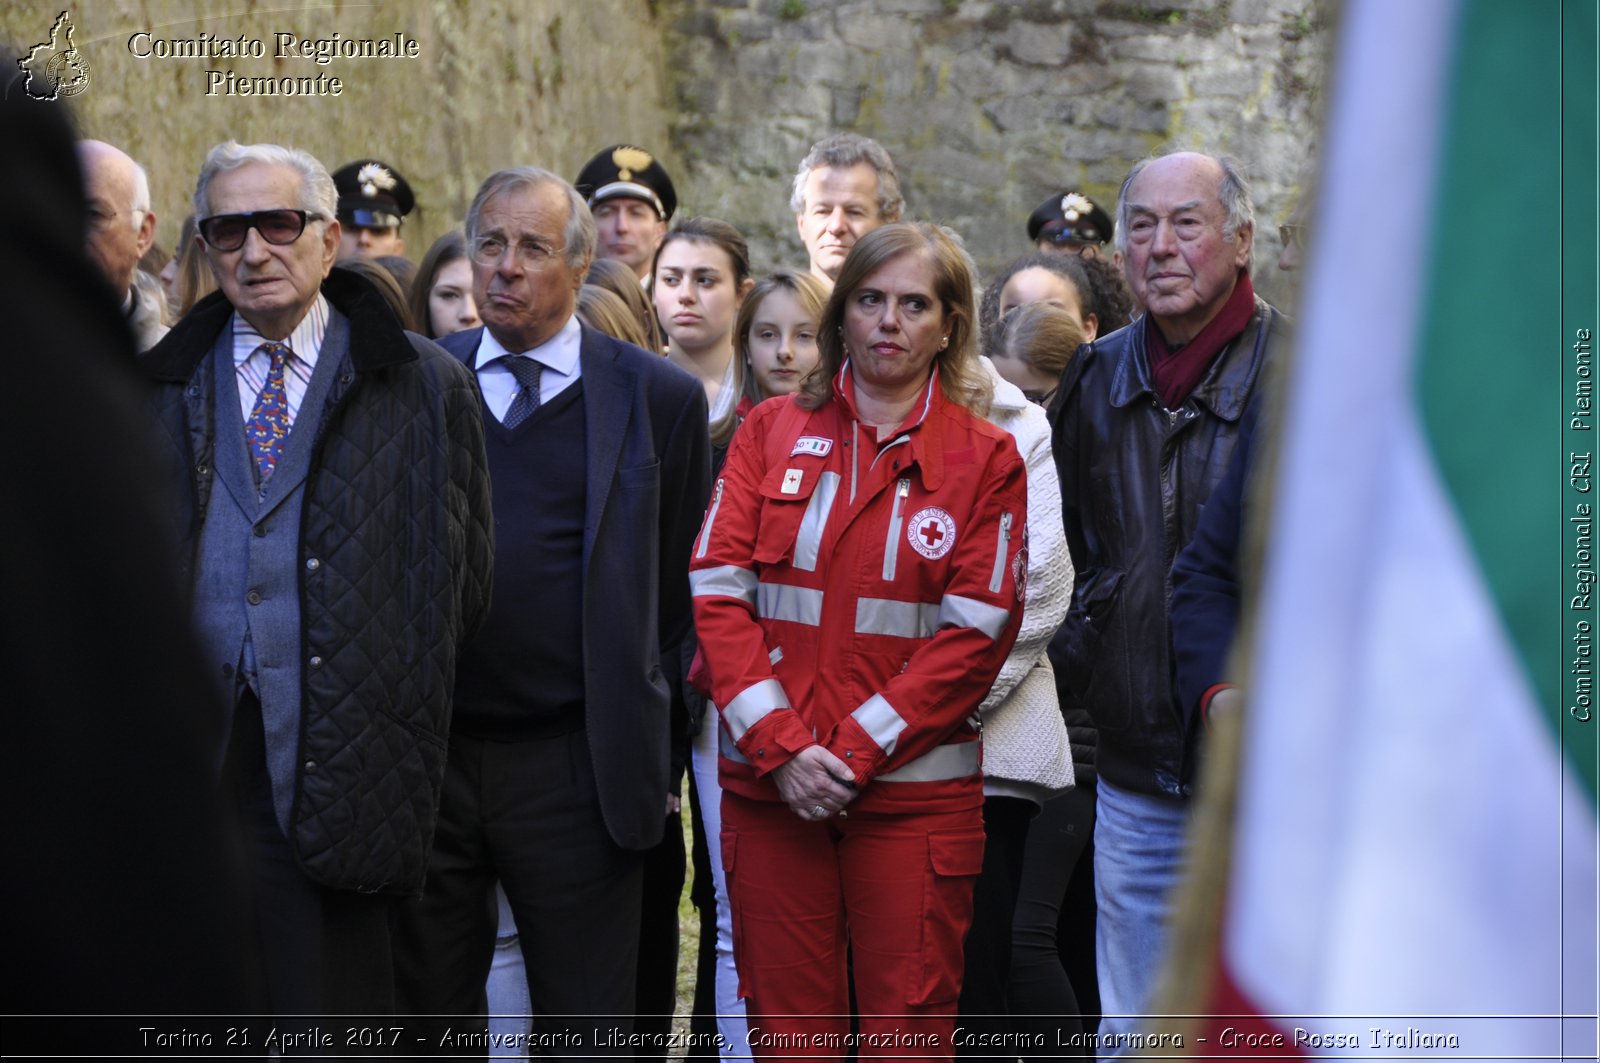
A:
962	378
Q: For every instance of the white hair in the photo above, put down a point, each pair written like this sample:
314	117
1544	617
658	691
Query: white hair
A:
317	194
141	195
580	234
1233	193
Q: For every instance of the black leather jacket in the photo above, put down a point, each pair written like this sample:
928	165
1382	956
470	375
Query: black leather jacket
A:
397	513
1133	478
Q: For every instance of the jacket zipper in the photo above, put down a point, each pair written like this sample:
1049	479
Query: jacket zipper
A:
711	518
1000	553
855	453
891	545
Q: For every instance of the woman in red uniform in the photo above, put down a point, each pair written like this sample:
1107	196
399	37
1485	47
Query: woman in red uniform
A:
856	594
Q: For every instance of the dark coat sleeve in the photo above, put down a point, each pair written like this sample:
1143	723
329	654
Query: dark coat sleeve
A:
1205	582
469	479
686	488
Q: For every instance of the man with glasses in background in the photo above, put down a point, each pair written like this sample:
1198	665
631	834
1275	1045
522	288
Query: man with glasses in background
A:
121	229
338	544
558	767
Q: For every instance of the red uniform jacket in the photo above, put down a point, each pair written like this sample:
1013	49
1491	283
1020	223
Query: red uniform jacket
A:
861	596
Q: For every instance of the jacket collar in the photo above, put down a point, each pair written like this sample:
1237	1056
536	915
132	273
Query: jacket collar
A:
376	339
927	447
1227	386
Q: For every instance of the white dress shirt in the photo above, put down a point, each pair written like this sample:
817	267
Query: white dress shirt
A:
558	355
251	364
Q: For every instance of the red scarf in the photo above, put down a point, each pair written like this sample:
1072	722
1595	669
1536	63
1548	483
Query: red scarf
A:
1177	372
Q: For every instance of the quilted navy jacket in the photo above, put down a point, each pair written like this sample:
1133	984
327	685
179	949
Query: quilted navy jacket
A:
397	512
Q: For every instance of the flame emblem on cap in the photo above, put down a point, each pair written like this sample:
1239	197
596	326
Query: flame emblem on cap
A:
630	159
372	177
1074	206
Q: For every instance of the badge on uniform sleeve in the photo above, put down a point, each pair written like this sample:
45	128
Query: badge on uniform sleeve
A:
816	446
791	482
932	533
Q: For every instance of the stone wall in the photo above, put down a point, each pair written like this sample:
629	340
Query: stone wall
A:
989	107
495	83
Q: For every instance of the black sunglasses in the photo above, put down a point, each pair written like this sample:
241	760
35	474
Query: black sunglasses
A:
227	232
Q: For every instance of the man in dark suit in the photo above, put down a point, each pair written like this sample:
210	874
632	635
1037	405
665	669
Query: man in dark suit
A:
558	764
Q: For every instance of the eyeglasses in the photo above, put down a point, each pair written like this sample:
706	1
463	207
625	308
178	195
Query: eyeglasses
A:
100	218
491	250
1292	234
227	232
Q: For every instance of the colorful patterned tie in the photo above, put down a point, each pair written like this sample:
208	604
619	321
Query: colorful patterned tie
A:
268	426
527	372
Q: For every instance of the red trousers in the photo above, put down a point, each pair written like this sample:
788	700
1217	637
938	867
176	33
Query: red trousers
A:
891	892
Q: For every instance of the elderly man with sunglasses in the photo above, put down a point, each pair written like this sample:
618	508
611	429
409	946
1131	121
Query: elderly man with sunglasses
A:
338	541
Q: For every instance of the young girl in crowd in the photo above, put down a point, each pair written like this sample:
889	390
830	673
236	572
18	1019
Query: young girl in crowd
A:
1033	345
618	279
702	274
441	294
1088	289
700	277
604	311
775	346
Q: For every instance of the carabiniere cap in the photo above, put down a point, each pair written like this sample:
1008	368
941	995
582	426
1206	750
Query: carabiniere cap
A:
1071	217
631	172
372	195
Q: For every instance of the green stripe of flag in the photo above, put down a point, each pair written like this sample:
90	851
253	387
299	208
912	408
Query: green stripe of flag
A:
1496	374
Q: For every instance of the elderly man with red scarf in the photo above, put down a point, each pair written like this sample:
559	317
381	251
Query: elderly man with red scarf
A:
1144	424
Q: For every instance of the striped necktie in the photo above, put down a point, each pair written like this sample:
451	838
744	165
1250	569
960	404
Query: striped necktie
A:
269	422
527	372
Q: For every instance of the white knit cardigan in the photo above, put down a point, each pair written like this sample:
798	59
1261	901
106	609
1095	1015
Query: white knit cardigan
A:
1025	751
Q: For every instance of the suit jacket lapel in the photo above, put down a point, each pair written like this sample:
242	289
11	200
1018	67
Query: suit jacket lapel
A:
232	453
607	406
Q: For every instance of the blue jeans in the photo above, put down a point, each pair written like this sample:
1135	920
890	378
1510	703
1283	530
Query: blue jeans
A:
1139	843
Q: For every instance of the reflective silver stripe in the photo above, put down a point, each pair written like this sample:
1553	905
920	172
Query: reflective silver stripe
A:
711	518
775	656
752	705
969	612
729	750
907	620
1000	554
808	543
955	761
891	545
728	580
878	718
779	601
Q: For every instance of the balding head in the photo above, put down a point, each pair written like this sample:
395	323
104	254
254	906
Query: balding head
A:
1185	228
121	224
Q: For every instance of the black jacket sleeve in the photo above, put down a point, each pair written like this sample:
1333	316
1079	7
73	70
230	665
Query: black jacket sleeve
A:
1205	582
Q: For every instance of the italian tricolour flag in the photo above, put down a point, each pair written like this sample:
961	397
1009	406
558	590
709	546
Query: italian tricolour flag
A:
1414	859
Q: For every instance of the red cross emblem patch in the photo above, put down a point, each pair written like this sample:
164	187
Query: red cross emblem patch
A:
932	532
